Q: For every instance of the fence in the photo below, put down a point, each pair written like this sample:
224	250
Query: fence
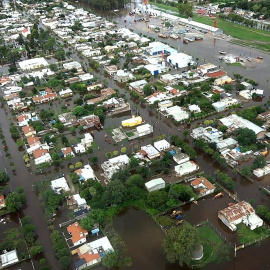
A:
207	222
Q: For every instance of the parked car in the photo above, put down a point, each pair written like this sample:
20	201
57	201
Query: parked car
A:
222	52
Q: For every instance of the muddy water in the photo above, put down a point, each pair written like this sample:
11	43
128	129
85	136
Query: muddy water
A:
144	238
22	177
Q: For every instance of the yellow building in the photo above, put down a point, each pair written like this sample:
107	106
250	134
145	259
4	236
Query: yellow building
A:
223	80
134	121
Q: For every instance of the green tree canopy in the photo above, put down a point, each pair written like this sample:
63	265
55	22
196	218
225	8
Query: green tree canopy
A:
110	259
179	243
246	137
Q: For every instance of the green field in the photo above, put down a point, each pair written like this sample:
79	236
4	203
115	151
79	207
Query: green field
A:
247	236
214	248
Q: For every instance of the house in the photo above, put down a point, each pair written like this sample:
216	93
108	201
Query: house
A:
234	122
67	119
144	130
241	212
260	172
28	131
150	151
137	86
44	96
168	79
2	202
41	156
186	168
92	253
207	68
33	63
67	152
180	158
72	65
202	186
60	185
122	76
65	93
177	113
81	202
94	86
194	108
89	121
79	148
111	70
228	143
155	69
33	141
165	104
219	106
113	165
223	80
9	258
155	184
87	140
162	145
134	121
78	234
180	60
86	173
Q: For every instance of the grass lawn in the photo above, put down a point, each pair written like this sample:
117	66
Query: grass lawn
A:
179	87
245	235
236	64
214	248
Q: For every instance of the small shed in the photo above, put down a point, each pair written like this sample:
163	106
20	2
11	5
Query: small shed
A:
155	184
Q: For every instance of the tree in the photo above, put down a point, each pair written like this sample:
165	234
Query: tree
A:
35	250
78	111
223	128
133	163
3	177
94	159
181	192
20	143
262	210
246	137
78	165
135	180
65	262
157	198
186	9
148	89
15	201
186	133
110	259
87	223
179	243
115	193
259	162
123	150
246	171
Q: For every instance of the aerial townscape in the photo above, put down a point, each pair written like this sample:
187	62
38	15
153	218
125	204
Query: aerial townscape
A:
134	134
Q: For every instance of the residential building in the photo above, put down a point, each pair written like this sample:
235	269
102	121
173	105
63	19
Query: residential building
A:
177	113
228	143
234	122
144	130
260	172
180	158
65	93
9	258
81	202
134	121
186	168
60	185
219	106
41	156
114	164
111	70
137	86
155	184
150	151
194	108
237	213
86	173
165	104
92	253
78	234
67	152
87	140
33	63
2	201
202	186
162	145
28	131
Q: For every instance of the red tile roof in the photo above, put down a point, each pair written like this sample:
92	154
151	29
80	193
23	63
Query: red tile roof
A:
217	74
77	232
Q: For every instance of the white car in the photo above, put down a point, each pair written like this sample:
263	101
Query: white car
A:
222	52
